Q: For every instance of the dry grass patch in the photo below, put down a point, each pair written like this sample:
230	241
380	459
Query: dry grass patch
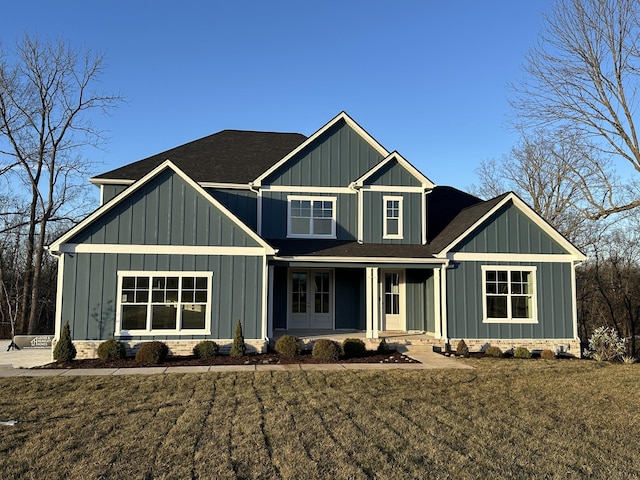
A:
524	419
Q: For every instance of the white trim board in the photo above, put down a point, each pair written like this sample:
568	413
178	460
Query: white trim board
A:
511	257
55	246
341	116
398	260
160	249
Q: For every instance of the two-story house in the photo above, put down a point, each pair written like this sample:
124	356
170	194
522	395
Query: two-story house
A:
326	234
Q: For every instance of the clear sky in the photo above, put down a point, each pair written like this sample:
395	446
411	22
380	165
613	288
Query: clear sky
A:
427	78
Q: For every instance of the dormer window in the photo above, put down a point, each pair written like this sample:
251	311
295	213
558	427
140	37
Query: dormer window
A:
392	208
311	217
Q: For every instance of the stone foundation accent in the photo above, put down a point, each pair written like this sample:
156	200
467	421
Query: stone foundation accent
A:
89	348
567	346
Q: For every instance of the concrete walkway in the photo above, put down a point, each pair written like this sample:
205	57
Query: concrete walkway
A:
18	363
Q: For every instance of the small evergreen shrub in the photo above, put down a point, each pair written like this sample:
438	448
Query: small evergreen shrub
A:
288	345
238	349
327	350
64	350
383	347
353	348
111	349
462	349
493	352
547	354
605	345
522	352
205	349
152	352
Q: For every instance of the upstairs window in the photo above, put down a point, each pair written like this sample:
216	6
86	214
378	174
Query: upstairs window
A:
392	208
311	217
509	294
162	303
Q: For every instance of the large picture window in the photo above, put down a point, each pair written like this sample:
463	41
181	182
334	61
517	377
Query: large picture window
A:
163	302
392	208
509	294
311	217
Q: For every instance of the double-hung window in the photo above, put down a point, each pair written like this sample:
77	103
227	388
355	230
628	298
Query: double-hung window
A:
392	208
164	303
509	294
311	217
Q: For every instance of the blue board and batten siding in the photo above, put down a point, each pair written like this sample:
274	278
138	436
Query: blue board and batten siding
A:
90	302
393	174
335	159
111	190
509	231
166	211
242	202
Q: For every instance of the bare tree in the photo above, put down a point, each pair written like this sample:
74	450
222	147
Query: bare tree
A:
545	169
582	78
46	101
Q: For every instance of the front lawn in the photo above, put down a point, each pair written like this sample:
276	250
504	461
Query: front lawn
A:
505	419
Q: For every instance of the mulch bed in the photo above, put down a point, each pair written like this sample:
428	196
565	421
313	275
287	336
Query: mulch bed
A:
251	359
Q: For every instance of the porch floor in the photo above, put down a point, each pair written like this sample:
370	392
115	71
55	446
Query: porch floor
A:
399	338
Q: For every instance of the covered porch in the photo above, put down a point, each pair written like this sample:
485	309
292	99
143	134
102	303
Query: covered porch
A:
363	300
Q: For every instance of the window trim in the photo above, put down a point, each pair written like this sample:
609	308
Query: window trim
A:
534	294
385	218
312	198
119	331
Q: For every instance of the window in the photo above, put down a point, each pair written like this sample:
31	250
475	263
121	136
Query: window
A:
392	208
312	217
163	302
509	294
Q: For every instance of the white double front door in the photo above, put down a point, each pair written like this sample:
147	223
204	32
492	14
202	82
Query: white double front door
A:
310	299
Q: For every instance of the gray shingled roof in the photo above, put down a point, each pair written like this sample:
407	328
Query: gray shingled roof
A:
342	248
229	156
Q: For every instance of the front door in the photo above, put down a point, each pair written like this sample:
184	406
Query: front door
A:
393	300
310	299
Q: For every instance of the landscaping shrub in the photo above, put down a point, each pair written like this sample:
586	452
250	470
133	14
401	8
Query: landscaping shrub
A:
383	347
605	345
462	349
205	349
64	350
493	352
327	350
112	349
547	354
288	345
152	352
522	352
238	349
353	348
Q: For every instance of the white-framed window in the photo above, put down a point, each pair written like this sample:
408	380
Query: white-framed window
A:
161	303
392	212
509	294
311	217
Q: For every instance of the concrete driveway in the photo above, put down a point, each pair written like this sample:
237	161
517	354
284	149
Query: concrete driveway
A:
25	357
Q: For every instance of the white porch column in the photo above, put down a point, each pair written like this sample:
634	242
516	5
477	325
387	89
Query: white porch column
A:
437	304
270	303
368	299
375	300
443	301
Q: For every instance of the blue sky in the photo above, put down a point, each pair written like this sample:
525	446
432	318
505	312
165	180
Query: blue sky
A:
426	78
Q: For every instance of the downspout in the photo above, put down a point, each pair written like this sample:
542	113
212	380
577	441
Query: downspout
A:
59	256
258	193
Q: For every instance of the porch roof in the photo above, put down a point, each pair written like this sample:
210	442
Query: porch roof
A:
340	250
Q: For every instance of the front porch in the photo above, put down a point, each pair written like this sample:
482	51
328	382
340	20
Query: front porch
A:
319	300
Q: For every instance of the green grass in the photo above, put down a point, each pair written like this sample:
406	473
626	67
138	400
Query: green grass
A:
505	419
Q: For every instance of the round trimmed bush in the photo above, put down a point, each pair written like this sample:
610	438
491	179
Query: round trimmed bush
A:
112	349
152	352
547	354
326	350
288	345
462	349
353	348
493	352
522	352
205	349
